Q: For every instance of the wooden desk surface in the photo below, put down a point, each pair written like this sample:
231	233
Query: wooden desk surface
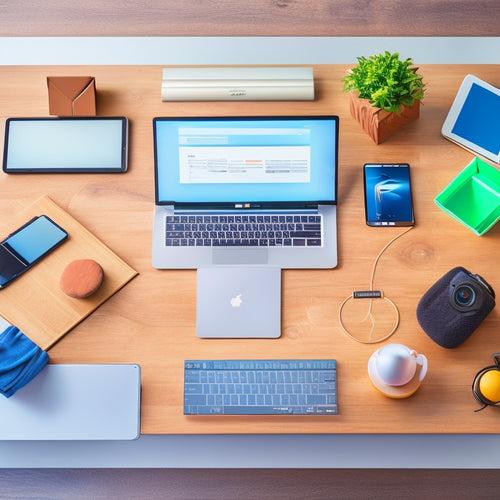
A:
151	321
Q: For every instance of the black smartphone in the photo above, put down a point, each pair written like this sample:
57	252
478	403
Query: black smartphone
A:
388	200
27	245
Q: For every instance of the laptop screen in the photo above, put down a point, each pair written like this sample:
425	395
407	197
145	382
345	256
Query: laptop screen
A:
251	160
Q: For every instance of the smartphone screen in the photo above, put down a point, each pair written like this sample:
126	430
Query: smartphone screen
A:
388	194
26	246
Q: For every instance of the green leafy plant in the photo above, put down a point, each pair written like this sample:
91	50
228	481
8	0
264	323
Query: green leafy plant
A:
386	81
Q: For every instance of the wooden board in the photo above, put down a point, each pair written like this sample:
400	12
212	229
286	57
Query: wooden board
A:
388	18
35	303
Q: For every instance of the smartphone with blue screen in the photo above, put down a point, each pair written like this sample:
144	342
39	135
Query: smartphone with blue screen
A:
22	249
388	200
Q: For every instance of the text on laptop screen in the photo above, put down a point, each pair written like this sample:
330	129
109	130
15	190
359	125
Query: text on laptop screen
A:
212	160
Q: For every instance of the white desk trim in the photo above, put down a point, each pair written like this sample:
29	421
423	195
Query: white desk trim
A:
243	50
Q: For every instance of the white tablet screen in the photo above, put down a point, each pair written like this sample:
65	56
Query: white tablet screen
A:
94	144
479	119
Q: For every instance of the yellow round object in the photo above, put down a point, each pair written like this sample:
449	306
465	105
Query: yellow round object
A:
489	385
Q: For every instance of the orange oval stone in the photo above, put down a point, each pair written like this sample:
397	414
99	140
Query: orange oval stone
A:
81	278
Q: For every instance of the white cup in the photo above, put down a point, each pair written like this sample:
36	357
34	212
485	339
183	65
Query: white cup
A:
396	364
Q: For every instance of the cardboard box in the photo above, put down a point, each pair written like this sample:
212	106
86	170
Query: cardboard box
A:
71	95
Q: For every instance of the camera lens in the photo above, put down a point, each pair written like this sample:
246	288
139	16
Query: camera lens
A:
464	296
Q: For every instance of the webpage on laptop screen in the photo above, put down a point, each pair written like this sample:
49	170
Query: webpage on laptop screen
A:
245	160
244	155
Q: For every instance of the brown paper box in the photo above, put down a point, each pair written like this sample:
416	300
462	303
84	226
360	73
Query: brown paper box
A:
71	95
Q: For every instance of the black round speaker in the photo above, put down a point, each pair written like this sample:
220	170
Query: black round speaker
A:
454	307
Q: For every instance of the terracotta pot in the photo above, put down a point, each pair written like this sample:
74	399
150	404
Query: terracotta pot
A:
378	123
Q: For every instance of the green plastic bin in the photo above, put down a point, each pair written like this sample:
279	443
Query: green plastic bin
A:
473	197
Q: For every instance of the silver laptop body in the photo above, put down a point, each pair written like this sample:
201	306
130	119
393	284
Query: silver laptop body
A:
238	302
202	169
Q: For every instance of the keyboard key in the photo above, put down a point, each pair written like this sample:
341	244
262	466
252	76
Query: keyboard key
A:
194	400
313	243
305	234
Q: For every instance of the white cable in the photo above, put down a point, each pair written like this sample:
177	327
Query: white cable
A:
369	313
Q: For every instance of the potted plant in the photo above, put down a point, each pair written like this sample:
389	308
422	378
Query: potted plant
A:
384	93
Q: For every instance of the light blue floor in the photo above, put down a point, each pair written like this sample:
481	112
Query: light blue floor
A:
336	451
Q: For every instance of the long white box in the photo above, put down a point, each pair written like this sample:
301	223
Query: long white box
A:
238	84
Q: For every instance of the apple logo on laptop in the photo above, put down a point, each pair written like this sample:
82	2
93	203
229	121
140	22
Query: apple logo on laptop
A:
236	301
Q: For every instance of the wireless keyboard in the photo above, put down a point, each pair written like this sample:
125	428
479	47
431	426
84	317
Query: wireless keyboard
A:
260	387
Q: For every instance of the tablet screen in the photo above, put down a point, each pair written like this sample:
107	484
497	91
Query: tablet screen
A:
474	118
76	144
479	119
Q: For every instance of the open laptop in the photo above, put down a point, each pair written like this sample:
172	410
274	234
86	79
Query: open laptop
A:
266	185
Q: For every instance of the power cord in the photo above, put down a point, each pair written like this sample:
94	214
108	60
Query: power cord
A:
372	294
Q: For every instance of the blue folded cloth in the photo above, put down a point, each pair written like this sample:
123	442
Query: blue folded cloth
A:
20	360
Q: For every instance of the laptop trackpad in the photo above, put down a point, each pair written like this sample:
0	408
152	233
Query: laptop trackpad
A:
240	256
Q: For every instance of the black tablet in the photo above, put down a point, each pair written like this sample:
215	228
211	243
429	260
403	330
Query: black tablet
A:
65	145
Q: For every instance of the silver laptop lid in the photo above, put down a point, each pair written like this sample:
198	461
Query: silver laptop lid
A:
238	302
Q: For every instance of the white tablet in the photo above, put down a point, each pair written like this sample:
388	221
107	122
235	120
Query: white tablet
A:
474	118
75	402
70	145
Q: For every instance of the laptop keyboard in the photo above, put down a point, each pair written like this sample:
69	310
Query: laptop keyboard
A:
244	230
260	387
